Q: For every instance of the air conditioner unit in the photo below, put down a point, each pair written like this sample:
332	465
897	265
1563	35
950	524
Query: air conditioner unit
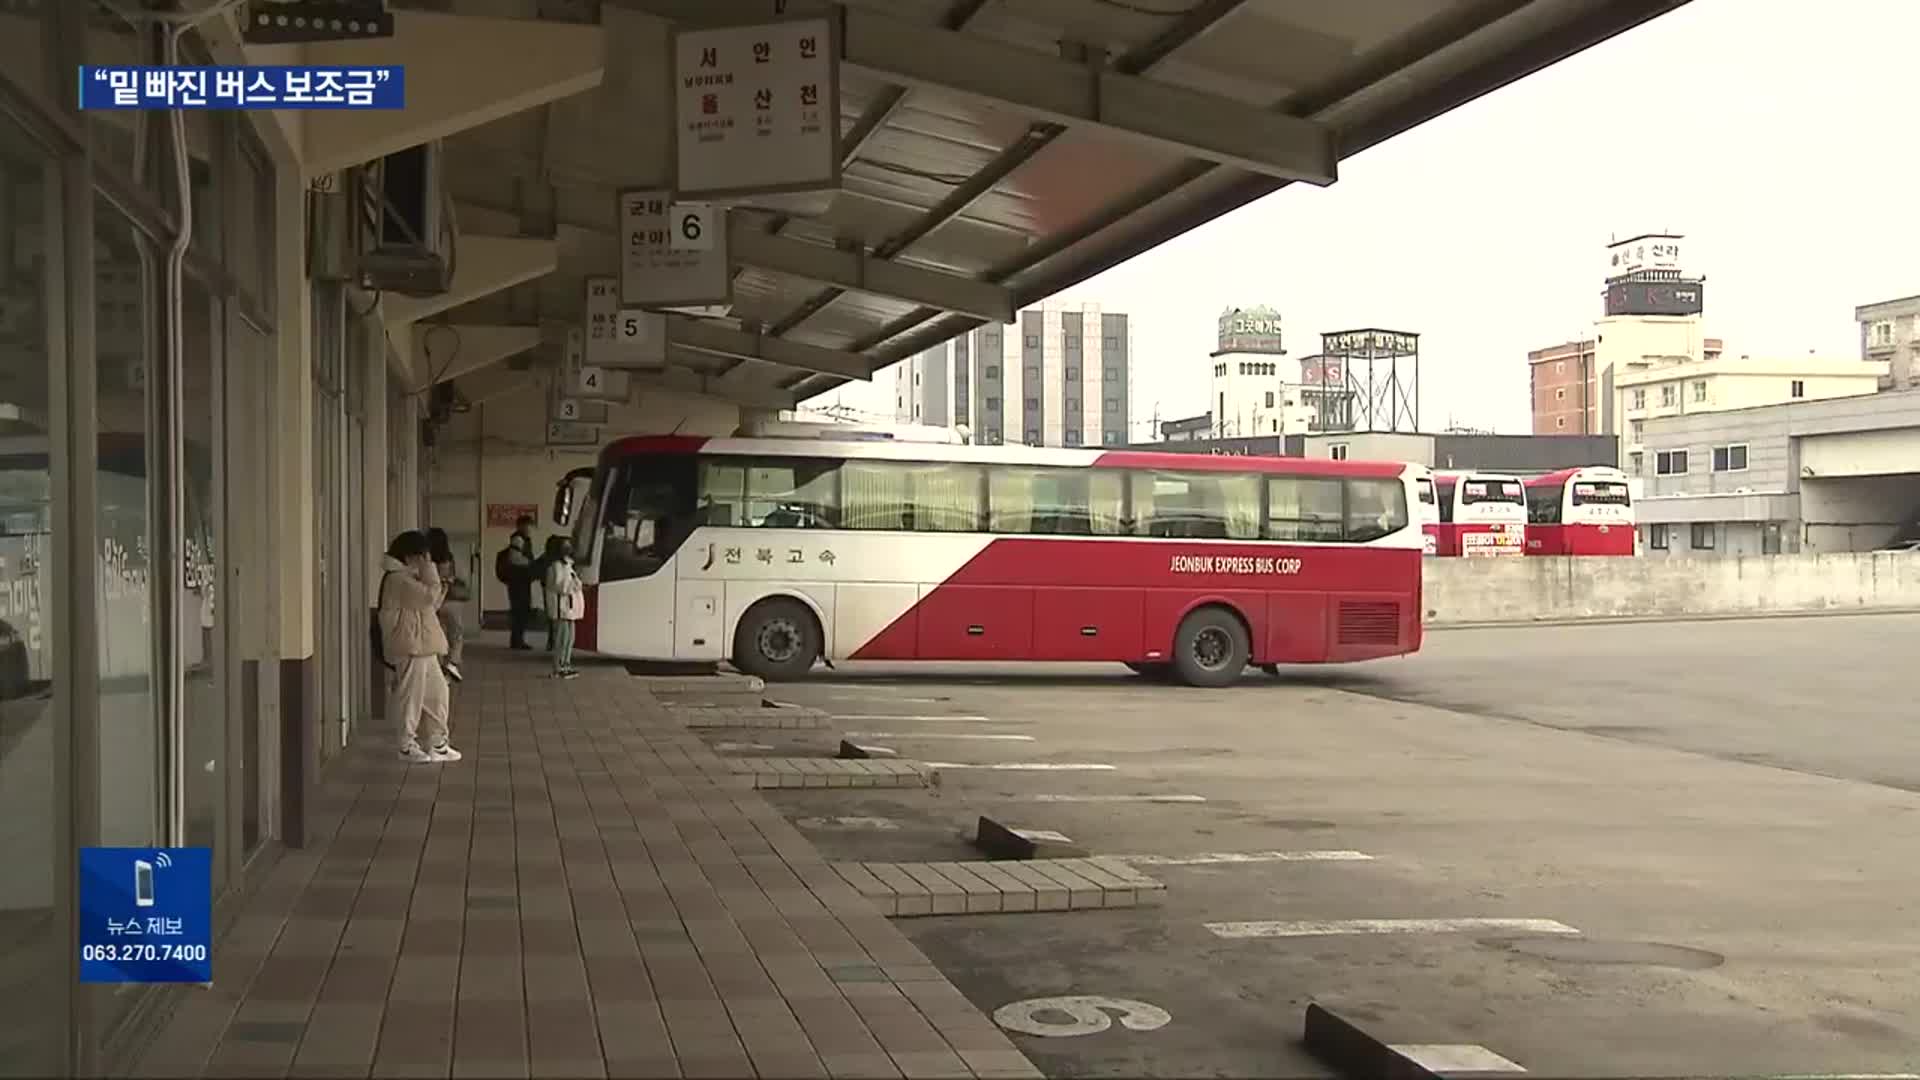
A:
405	230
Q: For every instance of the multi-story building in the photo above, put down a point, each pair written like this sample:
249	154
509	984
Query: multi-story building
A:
1565	378
1817	476
1055	377
1654	390
1890	332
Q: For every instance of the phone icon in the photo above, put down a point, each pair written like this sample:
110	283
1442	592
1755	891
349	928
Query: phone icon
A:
142	883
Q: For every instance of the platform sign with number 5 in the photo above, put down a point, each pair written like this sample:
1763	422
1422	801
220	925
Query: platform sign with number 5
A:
692	225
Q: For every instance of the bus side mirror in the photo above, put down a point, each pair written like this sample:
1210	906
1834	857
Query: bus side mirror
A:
563	504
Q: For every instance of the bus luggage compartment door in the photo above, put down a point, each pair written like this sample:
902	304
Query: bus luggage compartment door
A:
698	627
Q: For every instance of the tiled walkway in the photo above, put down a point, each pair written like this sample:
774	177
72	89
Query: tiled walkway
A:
590	893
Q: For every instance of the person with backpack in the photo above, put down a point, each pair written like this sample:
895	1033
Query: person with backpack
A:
410	644
542	566
441	550
566	605
514	567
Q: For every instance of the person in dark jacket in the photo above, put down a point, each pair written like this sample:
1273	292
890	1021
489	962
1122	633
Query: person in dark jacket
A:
516	571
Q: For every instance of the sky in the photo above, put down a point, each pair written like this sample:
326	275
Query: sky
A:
1781	138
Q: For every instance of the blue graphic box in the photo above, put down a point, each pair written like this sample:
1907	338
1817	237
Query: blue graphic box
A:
146	915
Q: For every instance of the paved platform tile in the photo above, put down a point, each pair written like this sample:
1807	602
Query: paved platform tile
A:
783	772
906	890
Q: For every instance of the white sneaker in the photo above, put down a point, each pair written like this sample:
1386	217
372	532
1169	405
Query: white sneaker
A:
443	752
453	673
412	752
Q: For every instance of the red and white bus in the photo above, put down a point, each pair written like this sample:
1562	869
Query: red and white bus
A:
1426	508
1480	514
777	552
1585	511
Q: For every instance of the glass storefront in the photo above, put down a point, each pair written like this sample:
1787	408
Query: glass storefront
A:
32	728
145	631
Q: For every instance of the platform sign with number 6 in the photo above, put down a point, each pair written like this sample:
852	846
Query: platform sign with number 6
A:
692	225
671	254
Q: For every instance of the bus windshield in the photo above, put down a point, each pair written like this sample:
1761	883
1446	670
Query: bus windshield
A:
1600	493
1495	491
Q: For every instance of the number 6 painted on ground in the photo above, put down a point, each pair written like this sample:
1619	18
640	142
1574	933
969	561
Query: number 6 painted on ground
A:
1088	1013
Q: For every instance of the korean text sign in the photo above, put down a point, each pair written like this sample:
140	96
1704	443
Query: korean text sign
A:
146	915
345	87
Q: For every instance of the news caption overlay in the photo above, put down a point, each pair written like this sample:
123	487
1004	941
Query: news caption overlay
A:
146	915
265	87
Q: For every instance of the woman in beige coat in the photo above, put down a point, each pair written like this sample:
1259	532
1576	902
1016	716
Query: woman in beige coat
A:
411	645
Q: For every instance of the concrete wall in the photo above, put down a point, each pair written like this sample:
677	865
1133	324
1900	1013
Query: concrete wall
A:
1469	591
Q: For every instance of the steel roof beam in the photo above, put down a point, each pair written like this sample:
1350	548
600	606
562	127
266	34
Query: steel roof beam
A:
716	339
1171	117
858	271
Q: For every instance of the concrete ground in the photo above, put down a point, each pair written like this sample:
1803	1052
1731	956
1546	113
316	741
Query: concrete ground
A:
1729	852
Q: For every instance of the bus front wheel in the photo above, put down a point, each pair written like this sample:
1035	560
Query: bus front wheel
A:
1210	649
778	640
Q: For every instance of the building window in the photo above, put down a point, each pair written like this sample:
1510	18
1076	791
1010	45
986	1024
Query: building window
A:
1113	404
1560	395
1033	436
1111	438
1670	463
1033	372
991	371
1880	334
1033	341
1269	399
1276	427
1559	367
1073	438
1073	374
1634	429
1559	421
1699	389
1702	538
1669	394
1337	451
1640	398
1072	343
1731	458
1770	538
993	404
1657	537
1799	388
1033	404
1110	341
1073	404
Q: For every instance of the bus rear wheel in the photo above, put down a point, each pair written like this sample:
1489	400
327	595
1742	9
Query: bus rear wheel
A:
778	640
1210	649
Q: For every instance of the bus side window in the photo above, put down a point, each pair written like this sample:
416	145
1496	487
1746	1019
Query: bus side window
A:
1197	506
793	494
1375	508
723	493
1303	508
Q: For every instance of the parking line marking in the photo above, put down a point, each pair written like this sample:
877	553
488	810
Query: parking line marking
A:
1332	927
978	736
896	718
1210	858
1117	798
1025	766
879	823
1455	1057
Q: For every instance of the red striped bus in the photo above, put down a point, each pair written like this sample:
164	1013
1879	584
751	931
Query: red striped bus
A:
1481	514
776	553
1584	511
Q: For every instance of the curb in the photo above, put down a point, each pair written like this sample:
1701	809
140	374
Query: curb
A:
1633	620
1351	1052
